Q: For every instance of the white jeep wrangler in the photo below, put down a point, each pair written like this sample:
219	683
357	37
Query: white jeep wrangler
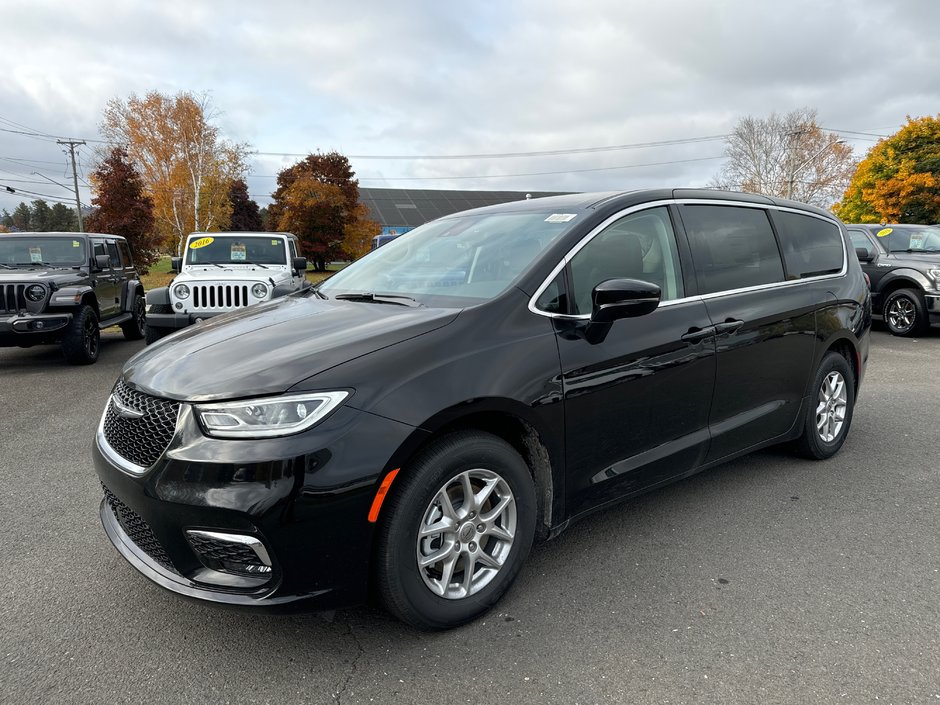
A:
222	272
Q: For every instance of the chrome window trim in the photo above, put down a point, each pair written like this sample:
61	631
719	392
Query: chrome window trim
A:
698	297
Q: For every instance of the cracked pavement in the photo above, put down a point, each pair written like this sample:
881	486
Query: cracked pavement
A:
770	579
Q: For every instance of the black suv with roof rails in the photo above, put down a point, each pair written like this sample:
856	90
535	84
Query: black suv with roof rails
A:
66	287
408	427
903	263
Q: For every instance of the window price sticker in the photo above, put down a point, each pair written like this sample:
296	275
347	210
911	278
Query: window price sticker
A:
560	217
35	254
238	253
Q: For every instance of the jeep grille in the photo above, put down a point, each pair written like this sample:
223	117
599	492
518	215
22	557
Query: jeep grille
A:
140	440
12	297
221	297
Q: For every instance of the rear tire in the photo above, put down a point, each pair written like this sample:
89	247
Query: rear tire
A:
82	339
827	418
136	328
905	313
482	539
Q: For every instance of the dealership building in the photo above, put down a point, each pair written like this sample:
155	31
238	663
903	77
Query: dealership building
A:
399	210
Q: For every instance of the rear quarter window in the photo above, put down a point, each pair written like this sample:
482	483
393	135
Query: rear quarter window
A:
811	246
733	247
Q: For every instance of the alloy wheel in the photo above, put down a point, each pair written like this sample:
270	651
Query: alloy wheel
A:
466	534
901	314
831	407
90	336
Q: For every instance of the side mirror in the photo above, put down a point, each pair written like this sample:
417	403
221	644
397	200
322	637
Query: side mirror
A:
299	264
176	263
864	254
102	262
623	298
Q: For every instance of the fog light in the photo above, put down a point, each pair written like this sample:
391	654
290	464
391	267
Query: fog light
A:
230	553
179	305
40	325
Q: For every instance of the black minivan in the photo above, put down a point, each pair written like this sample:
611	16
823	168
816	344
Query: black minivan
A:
409	427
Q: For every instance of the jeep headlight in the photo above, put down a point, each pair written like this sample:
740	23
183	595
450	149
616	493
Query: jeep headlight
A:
269	416
181	291
259	290
935	275
35	293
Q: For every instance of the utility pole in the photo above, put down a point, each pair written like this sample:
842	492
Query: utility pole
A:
72	144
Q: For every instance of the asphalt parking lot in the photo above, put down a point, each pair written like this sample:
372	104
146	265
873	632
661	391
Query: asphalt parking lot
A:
768	580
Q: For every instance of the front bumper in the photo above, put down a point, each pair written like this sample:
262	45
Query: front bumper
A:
20	329
306	498
176	321
933	308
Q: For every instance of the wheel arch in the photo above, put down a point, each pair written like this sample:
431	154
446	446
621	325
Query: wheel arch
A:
901	279
508	420
849	348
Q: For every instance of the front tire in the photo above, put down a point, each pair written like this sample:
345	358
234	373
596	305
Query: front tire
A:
456	530
905	313
829	415
82	339
136	328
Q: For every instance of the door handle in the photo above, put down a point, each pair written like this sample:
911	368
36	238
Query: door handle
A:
729	326
696	334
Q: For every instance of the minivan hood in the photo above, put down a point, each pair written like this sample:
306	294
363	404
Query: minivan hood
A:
267	348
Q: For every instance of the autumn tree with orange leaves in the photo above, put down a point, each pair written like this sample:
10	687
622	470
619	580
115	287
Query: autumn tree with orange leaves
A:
898	181
185	163
317	199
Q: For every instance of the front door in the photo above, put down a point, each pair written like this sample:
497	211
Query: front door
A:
637	396
107	280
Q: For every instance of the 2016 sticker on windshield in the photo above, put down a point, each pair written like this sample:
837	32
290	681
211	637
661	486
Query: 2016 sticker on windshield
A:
201	242
239	253
560	217
885	232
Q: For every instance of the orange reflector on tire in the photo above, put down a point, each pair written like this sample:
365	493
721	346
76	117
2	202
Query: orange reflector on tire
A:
380	495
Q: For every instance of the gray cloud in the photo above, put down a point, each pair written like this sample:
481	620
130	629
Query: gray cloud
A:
416	77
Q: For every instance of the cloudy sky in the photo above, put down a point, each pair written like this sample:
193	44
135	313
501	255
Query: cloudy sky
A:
435	79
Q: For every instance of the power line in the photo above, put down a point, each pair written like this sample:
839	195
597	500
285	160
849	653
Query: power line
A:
535	173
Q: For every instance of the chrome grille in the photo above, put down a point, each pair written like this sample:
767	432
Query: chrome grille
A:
220	297
140	440
12	297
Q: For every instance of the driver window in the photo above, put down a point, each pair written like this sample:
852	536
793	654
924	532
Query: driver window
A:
638	246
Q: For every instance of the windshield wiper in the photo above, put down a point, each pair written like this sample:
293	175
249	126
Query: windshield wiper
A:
6	266
256	264
369	297
918	251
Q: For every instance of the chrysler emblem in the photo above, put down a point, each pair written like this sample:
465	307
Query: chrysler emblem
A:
125	411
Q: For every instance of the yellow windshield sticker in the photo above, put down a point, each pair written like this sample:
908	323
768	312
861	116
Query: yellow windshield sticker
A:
884	232
275	242
76	243
238	252
201	242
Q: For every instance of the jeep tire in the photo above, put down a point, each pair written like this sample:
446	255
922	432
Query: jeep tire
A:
136	327
82	338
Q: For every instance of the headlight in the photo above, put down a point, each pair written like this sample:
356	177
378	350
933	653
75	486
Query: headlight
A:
35	293
271	416
259	291
935	275
181	291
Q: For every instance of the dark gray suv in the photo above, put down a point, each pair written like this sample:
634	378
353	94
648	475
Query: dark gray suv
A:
64	288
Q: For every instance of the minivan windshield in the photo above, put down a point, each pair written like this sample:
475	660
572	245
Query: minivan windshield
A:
910	239
213	249
459	260
56	251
